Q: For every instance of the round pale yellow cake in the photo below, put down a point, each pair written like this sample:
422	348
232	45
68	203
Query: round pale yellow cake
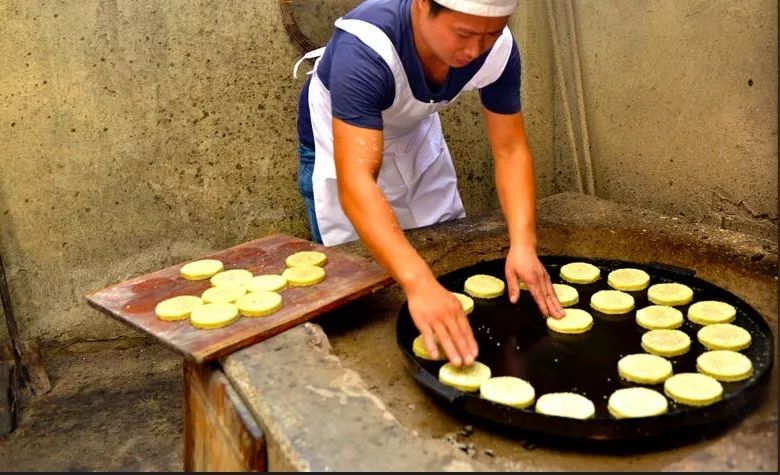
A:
214	315
259	304
693	389
724	336
302	276
465	301
202	269
177	308
267	282
418	348
612	302
724	365
574	321
659	317
465	378
636	402
671	294
666	342
306	258
223	293
565	404
484	286
628	279
580	273
708	312
231	277
508	390
644	369
567	295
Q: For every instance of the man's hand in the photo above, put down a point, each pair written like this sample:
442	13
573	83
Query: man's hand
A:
523	264
517	195
436	312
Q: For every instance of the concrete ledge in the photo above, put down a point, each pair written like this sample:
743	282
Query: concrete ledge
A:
319	416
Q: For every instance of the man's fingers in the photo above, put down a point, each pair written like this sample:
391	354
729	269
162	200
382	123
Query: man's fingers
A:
445	339
556	309
548	304
513	284
462	337
430	342
465	329
539	294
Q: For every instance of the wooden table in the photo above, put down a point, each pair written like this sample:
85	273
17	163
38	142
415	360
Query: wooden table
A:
219	432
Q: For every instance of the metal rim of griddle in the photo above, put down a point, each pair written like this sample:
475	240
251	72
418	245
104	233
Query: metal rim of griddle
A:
679	421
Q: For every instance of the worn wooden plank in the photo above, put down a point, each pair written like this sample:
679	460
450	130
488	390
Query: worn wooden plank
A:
220	434
348	277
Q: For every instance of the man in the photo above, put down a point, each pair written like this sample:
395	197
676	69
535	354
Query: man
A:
373	160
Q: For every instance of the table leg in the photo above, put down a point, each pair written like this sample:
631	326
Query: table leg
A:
220	434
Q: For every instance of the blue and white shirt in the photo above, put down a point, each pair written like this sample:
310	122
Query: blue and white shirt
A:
361	84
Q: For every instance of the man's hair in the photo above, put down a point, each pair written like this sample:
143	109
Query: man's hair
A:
436	8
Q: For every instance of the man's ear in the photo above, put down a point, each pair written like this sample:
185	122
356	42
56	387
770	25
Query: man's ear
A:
423	6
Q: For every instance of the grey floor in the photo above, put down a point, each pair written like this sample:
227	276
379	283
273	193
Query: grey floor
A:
113	406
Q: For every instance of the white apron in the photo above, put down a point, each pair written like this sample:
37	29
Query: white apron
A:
417	176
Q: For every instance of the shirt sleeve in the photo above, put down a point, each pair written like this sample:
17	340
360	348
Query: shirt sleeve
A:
361	83
503	95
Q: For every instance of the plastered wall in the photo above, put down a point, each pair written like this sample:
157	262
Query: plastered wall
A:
140	134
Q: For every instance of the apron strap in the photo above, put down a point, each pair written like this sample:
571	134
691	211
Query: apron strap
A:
310	55
373	37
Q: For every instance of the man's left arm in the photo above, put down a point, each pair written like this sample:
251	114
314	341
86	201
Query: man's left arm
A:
516	189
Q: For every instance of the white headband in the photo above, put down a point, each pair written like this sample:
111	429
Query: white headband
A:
491	8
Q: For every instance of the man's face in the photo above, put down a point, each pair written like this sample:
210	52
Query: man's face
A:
459	38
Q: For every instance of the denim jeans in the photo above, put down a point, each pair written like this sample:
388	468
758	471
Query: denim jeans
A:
305	171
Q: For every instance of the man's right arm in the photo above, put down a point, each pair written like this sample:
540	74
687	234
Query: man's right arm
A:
435	311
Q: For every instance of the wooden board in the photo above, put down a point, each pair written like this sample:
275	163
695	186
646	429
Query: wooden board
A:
348	277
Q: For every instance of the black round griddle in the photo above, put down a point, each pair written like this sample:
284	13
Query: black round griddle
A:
514	341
